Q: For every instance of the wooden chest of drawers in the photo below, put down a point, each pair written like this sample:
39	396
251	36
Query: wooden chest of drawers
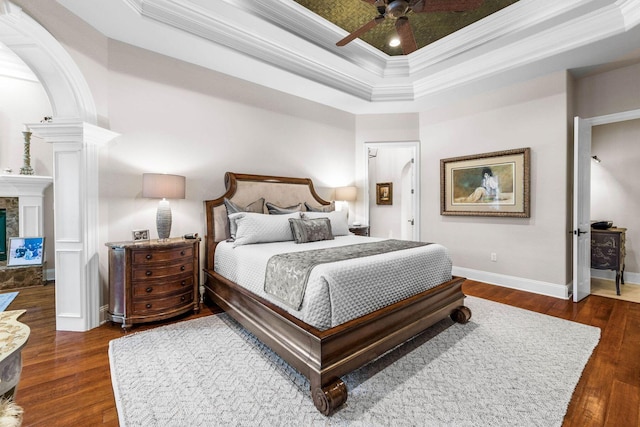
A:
608	252
153	280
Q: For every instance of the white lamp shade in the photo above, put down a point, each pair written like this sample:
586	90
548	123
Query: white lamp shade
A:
163	186
347	194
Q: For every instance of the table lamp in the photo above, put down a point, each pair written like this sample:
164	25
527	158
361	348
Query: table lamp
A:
163	186
346	194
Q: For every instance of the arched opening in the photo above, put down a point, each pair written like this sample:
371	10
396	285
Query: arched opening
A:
74	137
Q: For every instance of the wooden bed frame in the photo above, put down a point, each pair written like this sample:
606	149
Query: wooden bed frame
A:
322	356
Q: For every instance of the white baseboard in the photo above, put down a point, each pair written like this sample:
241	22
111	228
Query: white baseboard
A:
629	277
513	282
103	314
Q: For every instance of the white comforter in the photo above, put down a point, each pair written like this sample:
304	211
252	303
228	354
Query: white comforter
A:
359	286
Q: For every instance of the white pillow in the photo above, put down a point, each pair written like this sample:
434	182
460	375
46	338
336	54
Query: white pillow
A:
339	224
260	228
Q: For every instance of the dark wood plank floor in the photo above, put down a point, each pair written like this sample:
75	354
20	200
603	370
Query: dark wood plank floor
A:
66	381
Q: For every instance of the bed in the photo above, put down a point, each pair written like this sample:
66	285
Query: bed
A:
322	349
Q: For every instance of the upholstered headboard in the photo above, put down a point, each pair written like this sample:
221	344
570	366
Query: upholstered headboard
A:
244	189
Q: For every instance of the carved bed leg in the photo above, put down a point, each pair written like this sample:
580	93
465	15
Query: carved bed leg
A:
327	399
461	314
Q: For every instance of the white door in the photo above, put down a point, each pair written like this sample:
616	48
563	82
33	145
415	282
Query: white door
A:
581	209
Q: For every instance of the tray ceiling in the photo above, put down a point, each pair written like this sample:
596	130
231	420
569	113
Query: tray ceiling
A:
286	46
427	27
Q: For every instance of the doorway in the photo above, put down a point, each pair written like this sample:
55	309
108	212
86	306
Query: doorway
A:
582	197
393	167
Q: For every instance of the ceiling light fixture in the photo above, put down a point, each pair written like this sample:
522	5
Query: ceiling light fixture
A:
394	42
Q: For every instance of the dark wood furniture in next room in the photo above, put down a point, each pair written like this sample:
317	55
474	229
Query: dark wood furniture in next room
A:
608	251
153	280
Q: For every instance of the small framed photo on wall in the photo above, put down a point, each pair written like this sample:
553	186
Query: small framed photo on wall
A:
384	193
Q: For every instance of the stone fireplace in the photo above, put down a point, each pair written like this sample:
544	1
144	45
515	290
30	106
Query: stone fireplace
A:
21	198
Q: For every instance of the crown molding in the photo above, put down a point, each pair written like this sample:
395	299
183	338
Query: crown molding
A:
290	38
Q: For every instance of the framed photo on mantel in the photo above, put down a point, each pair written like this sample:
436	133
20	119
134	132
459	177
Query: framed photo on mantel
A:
489	184
25	251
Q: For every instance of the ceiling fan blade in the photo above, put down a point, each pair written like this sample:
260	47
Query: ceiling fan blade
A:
360	31
423	6
407	40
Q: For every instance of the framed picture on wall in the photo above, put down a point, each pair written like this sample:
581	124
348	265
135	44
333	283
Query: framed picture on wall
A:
489	184
25	251
384	193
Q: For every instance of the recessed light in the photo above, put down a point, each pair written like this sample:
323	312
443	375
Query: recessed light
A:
394	42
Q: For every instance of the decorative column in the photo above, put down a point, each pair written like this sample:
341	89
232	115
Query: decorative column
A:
75	190
26	168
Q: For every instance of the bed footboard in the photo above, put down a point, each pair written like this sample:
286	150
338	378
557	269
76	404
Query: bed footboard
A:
325	356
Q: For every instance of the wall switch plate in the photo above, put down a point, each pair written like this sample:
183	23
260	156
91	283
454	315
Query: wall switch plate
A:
494	257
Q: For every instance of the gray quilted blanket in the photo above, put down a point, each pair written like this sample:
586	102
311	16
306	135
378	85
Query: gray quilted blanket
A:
287	274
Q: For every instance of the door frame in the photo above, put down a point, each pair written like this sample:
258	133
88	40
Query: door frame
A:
582	202
415	145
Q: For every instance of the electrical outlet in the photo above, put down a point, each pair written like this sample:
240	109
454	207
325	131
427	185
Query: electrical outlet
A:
494	257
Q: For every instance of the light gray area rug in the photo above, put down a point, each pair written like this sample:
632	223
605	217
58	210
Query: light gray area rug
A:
505	367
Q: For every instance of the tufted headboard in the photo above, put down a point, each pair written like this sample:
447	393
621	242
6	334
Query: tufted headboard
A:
244	189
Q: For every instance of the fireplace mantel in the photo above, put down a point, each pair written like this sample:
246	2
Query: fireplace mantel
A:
23	185
29	189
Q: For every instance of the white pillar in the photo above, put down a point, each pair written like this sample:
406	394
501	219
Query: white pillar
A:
75	192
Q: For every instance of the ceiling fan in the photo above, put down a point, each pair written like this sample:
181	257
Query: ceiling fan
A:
398	9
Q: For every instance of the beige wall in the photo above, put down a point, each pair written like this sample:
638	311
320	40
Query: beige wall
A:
531	114
608	92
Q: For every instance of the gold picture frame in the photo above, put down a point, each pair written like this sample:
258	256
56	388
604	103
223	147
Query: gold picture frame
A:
384	193
488	184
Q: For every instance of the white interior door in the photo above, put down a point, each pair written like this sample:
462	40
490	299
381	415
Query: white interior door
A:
581	209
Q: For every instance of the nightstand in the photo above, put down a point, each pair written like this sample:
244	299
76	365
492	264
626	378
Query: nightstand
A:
360	230
153	280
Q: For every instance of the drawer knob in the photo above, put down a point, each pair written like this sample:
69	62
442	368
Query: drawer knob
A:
148	273
149	289
149	256
148	305
182	267
183	298
184	282
182	253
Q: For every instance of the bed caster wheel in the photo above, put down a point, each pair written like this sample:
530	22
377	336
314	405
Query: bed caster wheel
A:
461	314
328	399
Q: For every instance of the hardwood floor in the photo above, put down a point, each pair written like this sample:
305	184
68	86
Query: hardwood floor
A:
66	382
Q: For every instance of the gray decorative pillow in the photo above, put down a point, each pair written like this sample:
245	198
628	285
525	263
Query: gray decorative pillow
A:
277	210
310	230
339	225
323	208
257	207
